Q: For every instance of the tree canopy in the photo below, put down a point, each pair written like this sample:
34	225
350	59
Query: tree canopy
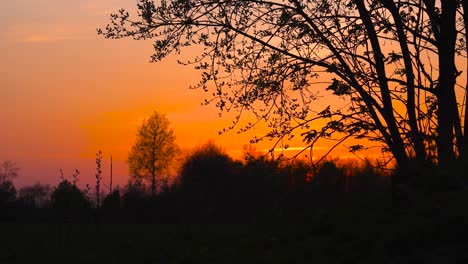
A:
8	171
399	65
153	149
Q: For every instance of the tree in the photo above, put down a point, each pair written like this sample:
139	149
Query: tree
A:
207	170
207	182
397	64
67	196
7	194
153	150
98	177
8	171
112	200
35	196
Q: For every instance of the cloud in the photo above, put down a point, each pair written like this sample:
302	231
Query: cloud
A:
46	33
105	8
295	149
43	38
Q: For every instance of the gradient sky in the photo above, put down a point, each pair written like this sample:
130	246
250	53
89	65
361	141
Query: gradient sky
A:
67	92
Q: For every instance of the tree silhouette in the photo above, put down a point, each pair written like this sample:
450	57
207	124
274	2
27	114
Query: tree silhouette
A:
35	196
98	177
396	64
7	193
8	171
67	196
207	181
153	150
134	194
112	200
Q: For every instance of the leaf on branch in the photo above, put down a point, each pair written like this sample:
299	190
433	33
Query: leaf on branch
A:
339	88
336	125
326	112
309	136
355	148
332	67
393	57
400	72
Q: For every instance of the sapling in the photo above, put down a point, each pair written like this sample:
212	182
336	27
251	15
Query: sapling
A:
98	177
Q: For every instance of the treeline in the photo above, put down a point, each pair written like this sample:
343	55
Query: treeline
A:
210	187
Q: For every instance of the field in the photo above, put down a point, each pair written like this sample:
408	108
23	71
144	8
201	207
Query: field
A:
432	230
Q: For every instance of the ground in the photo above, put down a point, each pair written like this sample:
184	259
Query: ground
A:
432	229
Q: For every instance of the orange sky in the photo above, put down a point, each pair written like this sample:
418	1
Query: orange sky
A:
67	92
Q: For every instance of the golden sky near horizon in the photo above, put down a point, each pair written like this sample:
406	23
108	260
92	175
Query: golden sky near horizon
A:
67	92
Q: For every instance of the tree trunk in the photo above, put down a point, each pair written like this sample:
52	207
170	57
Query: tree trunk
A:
396	145
445	88
464	142
153	168
410	106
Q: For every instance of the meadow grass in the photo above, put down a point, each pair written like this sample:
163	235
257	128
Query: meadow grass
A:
356	230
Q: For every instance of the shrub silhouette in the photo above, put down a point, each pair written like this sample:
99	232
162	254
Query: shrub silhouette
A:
135	194
7	193
207	182
328	176
8	171
263	181
68	196
35	196
112	200
335	175
364	177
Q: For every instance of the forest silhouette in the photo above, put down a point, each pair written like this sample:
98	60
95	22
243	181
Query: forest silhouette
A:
210	186
393	77
225	210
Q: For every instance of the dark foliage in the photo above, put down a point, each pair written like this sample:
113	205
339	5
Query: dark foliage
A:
398	65
35	196
67	196
335	212
7	194
112	200
135	195
208	183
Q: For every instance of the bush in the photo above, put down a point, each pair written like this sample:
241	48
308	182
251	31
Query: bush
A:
7	193
68	196
112	200
207	182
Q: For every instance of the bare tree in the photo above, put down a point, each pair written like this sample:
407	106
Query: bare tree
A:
153	150
396	63
37	195
8	171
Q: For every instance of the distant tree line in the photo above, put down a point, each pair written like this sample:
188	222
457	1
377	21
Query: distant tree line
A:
207	186
398	69
210	186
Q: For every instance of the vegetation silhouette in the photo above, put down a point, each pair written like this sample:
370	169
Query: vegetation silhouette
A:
264	57
35	196
207	183
342	207
8	171
153	150
393	62
7	194
98	178
112	200
67	196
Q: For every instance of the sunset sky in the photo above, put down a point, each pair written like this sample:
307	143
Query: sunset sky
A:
67	92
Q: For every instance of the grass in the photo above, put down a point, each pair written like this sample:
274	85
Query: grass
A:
358	230
168	244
